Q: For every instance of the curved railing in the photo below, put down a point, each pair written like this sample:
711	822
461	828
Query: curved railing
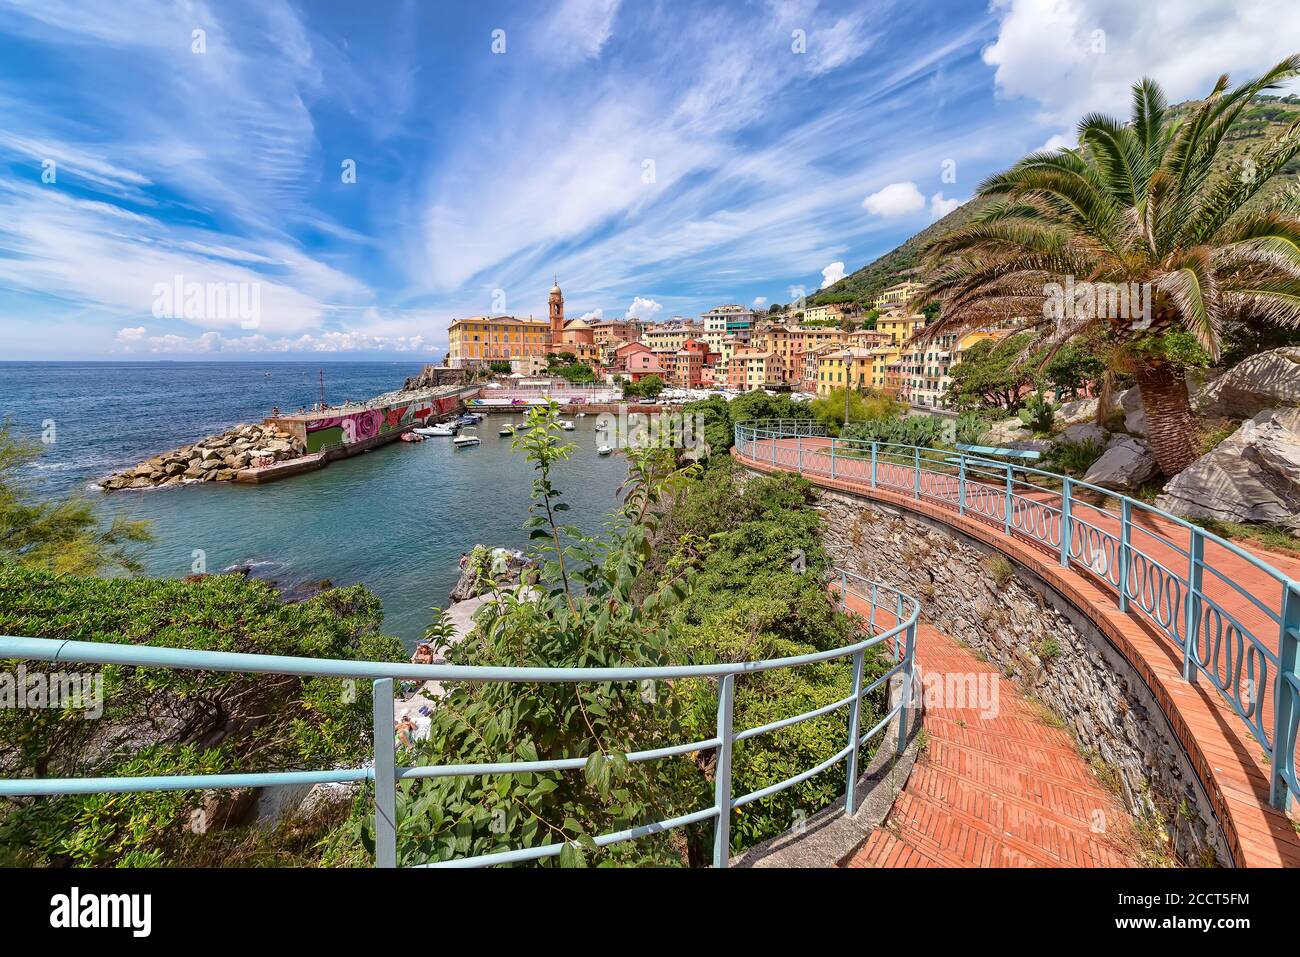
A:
888	616
1200	591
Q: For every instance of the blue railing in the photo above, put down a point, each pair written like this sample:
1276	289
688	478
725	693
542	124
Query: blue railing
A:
888	616
1175	574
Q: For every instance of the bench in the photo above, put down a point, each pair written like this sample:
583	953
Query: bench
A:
1012	457
992	451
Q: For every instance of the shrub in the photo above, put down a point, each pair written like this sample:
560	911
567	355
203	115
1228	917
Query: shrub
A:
1073	458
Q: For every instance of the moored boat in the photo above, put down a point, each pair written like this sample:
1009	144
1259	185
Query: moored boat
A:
506	429
442	429
604	450
464	441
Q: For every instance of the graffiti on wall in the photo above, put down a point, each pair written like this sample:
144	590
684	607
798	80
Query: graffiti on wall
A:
353	427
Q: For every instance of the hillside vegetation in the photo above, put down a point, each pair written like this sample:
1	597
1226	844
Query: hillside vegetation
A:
1265	118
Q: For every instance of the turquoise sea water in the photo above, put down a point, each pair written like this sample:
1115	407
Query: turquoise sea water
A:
395	519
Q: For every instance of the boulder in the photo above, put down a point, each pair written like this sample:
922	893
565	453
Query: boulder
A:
1135	416
1266	380
1252	476
1077	410
1124	466
1008	430
1083	432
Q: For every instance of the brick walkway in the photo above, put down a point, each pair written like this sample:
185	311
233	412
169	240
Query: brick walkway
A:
1229	762
1001	790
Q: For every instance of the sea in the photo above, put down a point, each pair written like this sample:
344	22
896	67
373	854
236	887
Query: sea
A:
395	519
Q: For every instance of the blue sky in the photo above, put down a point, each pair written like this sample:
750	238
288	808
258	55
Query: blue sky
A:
660	157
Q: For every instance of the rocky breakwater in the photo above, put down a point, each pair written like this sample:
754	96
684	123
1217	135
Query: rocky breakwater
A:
218	458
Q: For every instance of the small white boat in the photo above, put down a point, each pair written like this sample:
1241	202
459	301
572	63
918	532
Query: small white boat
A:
566	425
464	441
604	450
436	430
506	429
582	415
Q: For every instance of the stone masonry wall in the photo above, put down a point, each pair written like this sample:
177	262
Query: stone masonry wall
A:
1051	649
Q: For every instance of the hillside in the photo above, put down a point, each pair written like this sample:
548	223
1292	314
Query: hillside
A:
1260	121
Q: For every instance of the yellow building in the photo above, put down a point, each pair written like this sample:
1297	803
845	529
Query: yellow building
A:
826	313
482	339
851	367
814	337
896	295
671	337
900	326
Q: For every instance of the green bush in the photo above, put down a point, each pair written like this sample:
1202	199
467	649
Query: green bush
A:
1073	458
170	721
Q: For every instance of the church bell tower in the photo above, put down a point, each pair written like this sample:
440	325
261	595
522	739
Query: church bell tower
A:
557	314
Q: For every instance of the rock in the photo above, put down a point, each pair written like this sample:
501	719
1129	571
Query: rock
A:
221	809
1077	410
1008	430
1124	466
1083	432
1266	380
1135	416
326	802
1252	476
508	570
1029	445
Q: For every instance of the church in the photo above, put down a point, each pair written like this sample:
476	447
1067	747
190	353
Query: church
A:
480	340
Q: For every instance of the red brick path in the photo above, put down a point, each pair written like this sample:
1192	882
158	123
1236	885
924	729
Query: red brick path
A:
1229	762
1006	790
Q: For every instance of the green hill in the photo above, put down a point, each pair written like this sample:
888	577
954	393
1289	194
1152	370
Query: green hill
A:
1256	124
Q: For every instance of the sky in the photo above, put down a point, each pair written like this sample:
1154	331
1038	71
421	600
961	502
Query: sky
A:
283	180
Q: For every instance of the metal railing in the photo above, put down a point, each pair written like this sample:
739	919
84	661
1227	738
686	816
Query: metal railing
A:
889	618
1200	591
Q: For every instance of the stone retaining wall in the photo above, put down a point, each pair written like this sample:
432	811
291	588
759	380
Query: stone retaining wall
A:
1052	649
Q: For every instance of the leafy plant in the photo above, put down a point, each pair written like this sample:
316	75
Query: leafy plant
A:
1073	458
1038	414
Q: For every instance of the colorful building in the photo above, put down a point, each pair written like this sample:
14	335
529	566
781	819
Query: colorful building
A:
897	295
844	367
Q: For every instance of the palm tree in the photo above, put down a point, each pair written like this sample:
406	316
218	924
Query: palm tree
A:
1151	203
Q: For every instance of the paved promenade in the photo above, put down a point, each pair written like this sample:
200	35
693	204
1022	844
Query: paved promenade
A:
1228	760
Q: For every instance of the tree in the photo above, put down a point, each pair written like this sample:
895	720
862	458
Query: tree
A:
648	388
863	406
992	374
63	536
1153	210
499	367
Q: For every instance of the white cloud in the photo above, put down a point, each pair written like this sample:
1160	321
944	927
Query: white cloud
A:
832	274
896	199
131	334
643	309
1077	56
941	207
594	316
1061	141
578	28
760	302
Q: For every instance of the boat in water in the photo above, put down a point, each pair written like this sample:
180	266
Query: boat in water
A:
506	429
604	450
444	430
411	437
566	425
469	418
464	441
581	415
